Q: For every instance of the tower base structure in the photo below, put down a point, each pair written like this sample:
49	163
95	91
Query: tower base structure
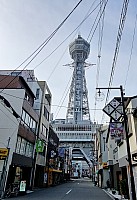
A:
79	140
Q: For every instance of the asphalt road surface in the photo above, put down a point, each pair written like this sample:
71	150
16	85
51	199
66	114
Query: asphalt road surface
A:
80	189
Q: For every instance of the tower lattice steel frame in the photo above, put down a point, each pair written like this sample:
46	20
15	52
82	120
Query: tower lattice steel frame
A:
78	107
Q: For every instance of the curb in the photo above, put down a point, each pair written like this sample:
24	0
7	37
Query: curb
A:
112	196
109	194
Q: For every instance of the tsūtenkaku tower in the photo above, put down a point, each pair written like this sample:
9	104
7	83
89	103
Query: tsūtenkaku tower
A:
77	133
78	108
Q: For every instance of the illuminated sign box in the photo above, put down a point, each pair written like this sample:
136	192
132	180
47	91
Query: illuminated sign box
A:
105	165
4	152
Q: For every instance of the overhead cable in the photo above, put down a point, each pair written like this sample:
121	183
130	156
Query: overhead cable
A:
101	28
85	18
40	48
118	40
119	35
102	12
60	43
131	51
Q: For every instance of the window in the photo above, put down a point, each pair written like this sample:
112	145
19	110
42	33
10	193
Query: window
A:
26	96
37	93
17	150
24	147
23	116
27	149
30	150
44	130
34	126
46	113
28	121
15	73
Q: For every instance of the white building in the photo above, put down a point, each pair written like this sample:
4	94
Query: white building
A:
42	106
131	110
12	102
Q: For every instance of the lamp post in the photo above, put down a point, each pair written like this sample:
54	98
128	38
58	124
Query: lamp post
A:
127	140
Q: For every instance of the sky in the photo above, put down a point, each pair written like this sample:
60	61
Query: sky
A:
26	24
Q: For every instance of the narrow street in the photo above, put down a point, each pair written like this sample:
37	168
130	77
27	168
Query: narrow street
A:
79	189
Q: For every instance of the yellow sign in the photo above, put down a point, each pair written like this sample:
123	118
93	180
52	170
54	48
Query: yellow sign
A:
2	158
3	152
105	165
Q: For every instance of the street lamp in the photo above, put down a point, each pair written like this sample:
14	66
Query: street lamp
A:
127	140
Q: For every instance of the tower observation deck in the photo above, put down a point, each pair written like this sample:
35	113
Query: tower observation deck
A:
78	108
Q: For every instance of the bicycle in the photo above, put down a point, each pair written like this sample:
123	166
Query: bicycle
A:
13	190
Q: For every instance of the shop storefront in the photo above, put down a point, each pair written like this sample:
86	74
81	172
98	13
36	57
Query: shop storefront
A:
20	170
53	176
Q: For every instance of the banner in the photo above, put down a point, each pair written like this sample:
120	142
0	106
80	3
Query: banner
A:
116	131
61	152
39	145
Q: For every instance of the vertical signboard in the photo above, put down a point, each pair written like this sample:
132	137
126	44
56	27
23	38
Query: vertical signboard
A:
116	131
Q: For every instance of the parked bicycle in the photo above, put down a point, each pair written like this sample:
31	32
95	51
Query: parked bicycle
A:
12	190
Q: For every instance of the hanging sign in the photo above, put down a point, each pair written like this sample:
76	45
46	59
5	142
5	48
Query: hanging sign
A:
105	165
3	153
39	146
116	131
114	109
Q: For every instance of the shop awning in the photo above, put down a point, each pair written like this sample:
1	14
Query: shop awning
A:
54	170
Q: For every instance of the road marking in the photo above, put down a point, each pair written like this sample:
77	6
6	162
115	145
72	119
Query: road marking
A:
68	191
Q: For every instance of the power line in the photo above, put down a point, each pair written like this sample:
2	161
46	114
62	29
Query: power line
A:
56	47
101	28
62	43
64	95
46	43
132	45
99	13
85	18
98	20
120	31
7	115
40	48
119	36
40	102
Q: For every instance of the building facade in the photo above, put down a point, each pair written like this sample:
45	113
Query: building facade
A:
22	141
33	126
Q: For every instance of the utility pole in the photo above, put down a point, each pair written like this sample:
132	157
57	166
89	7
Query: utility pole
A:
133	191
128	147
